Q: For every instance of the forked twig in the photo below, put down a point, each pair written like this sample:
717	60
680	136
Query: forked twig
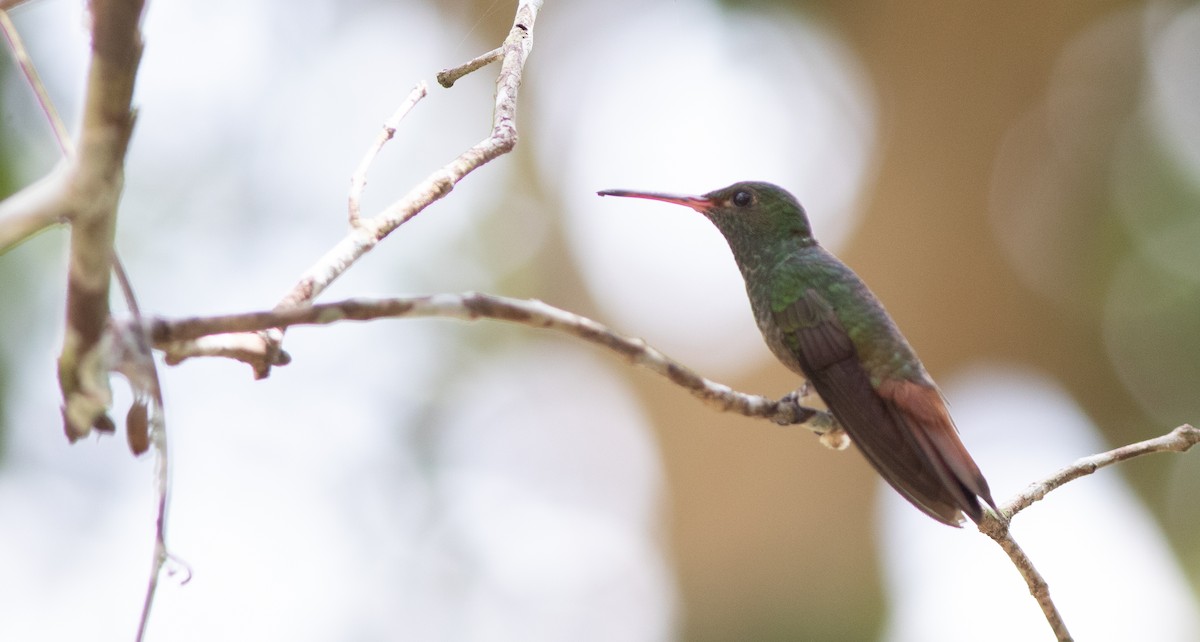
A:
262	350
1178	440
501	140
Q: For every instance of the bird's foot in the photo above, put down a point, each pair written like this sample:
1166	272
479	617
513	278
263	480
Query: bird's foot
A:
826	427
801	399
791	410
800	395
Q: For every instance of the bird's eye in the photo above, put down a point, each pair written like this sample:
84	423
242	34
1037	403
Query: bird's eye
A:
742	198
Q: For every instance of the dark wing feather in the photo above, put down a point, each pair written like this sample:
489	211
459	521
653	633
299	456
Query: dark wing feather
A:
921	408
915	449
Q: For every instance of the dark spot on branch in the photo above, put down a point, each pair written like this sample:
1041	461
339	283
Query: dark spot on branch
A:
87	312
682	376
631	351
159	331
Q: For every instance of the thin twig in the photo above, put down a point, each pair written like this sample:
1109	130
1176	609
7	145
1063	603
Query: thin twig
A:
42	204
168	334
996	527
368	232
35	83
359	180
139	368
1179	440
34	208
447	77
501	140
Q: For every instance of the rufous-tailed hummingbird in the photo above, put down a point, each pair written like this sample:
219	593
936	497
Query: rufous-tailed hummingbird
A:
823	322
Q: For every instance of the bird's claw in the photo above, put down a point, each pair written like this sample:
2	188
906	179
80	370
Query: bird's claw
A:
828	431
798	395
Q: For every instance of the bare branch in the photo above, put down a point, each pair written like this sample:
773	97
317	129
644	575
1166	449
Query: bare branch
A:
997	529
94	192
447	77
85	191
501	140
1179	440
359	180
35	82
42	204
168	334
34	208
263	349
239	346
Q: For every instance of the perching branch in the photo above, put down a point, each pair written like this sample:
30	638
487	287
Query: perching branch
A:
169	333
179	337
1179	440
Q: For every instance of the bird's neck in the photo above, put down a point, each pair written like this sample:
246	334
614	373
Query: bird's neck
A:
757	255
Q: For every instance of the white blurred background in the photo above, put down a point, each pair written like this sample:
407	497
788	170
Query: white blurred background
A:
1020	184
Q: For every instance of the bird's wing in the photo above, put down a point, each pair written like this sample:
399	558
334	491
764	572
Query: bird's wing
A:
920	406
898	428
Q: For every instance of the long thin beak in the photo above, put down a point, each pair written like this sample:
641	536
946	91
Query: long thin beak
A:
698	203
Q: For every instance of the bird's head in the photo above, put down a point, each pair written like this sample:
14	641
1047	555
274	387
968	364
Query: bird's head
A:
752	215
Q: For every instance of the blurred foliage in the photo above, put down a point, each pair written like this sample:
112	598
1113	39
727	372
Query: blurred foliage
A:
9	284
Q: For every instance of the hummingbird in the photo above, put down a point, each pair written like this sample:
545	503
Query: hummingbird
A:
820	319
